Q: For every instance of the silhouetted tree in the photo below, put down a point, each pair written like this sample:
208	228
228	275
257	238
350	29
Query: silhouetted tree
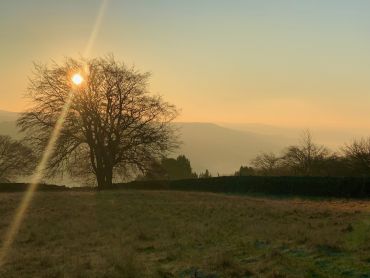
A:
155	171
335	165
170	168
357	154
306	158
205	175
267	164
178	168
245	171
113	126
16	159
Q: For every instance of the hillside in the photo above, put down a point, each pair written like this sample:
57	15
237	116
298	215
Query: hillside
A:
222	150
209	146
9	128
332	137
7	123
7	116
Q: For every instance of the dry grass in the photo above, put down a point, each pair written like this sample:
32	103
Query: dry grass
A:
182	234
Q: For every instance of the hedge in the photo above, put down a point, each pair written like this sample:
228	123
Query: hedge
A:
346	187
19	187
343	187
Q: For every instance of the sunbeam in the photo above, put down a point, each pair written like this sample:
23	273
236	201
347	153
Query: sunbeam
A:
96	28
39	173
20	213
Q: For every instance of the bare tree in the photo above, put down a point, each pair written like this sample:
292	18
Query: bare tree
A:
15	158
266	163
358	155
113	126
305	158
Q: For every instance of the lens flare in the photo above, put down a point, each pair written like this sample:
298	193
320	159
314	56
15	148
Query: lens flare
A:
36	178
77	79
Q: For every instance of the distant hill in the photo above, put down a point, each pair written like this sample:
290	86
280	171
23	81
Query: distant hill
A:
223	150
332	137
7	123
208	146
9	128
7	116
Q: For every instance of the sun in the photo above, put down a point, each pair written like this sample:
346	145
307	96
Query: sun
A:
77	79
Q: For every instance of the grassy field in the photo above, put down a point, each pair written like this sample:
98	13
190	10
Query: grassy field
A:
184	234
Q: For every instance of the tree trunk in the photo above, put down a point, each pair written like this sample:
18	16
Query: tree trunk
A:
100	178
108	176
104	177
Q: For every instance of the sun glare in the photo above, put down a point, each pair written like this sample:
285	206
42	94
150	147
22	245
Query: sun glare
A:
20	213
77	79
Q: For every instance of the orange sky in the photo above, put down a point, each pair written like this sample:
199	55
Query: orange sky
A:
287	64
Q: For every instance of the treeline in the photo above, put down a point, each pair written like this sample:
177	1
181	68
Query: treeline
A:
308	158
16	159
172	169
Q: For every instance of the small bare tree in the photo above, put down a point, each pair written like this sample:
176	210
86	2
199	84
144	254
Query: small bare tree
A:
15	158
266	163
358	155
113	126
305	158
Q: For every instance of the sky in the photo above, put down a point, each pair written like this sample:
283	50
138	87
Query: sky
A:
286	63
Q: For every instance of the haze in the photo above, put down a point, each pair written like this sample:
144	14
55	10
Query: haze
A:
265	173
286	63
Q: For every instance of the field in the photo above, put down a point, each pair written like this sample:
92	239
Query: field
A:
130	233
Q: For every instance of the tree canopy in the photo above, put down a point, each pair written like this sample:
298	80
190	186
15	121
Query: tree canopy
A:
15	158
114	125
